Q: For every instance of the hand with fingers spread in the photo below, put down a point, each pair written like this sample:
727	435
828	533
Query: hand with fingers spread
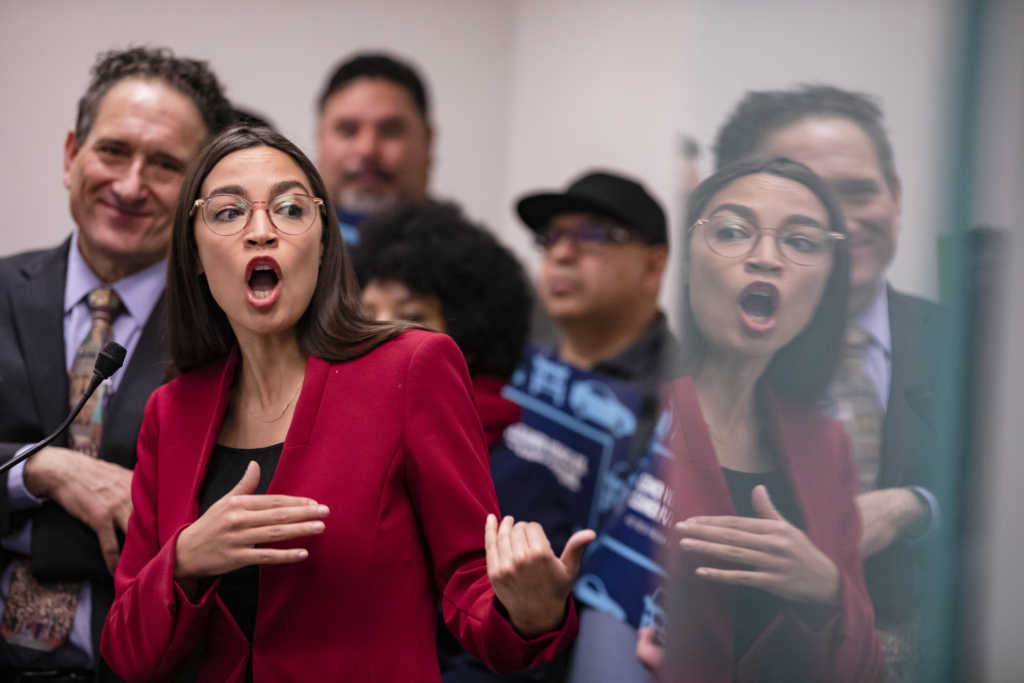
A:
94	491
529	580
779	557
226	537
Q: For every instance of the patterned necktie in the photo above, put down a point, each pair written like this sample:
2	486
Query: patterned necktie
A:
858	407
104	304
38	616
860	411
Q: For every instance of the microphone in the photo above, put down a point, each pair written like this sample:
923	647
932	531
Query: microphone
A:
109	361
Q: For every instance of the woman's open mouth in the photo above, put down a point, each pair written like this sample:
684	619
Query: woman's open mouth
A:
759	302
263	279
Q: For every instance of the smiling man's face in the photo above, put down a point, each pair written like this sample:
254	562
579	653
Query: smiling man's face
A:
843	154
123	179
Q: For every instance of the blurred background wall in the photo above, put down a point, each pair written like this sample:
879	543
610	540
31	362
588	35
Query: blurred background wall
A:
526	93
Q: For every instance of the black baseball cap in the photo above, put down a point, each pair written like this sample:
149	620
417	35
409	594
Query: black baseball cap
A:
607	194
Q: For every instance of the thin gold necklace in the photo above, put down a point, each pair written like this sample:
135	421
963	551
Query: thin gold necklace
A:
283	410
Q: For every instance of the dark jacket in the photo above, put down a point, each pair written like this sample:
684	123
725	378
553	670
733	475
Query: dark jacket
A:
34	400
908	452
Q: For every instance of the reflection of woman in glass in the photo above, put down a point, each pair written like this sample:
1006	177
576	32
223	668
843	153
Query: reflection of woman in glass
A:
369	499
768	584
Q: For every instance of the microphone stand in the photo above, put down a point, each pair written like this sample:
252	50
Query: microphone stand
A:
108	362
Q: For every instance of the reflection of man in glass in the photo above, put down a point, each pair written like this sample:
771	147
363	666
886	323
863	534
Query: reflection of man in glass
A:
374	137
840	135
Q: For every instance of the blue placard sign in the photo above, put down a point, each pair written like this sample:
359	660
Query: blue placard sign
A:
574	425
621	573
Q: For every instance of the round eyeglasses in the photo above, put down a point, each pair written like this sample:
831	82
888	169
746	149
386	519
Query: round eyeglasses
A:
734	237
227	214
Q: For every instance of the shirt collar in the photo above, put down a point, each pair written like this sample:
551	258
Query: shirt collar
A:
875	320
139	292
645	358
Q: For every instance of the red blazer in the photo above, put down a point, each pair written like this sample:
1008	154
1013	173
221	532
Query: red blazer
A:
807	643
392	443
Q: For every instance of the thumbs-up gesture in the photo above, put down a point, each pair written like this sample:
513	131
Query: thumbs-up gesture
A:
529	580
778	557
226	536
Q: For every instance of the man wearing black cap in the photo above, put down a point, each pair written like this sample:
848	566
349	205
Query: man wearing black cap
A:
605	242
605	246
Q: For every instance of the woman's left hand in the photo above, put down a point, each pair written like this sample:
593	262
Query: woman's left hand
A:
782	560
529	580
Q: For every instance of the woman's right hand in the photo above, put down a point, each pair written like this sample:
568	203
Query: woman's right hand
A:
226	536
781	558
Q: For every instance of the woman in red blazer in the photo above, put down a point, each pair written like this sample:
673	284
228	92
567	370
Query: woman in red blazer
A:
768	585
369	499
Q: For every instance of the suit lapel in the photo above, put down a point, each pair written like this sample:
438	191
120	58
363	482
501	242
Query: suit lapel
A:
909	391
146	370
297	440
700	479
310	399
202	419
798	441
39	319
800	436
699	488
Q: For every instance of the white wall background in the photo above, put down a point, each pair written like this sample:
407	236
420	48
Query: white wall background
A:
527	93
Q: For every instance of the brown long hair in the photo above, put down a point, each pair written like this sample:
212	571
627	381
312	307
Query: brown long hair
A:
332	328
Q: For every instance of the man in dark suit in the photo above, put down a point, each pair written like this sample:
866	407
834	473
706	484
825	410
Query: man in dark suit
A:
841	136
144	116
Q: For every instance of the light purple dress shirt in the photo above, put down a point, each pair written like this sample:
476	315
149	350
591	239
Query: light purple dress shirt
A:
878	354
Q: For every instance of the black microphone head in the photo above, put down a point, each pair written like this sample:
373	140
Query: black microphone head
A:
109	361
